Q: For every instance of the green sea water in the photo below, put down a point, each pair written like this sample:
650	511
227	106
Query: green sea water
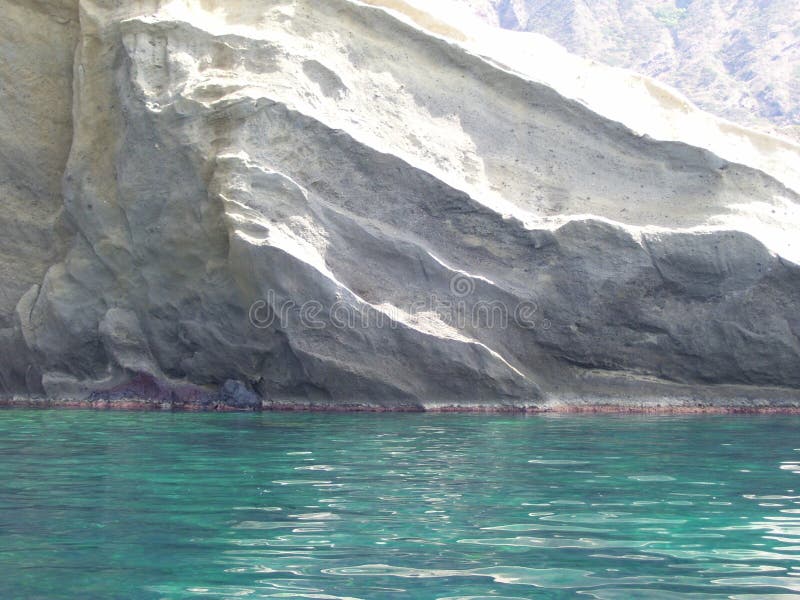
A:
201	506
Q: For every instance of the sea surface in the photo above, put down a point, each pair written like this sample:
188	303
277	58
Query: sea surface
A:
324	506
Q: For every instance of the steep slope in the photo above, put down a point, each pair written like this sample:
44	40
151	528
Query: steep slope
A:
345	204
37	43
740	60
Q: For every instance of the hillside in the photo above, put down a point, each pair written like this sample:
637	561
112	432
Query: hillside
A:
739	60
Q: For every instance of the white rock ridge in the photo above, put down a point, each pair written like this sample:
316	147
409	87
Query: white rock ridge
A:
349	204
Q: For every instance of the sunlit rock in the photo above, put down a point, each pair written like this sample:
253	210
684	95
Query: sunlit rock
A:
347	205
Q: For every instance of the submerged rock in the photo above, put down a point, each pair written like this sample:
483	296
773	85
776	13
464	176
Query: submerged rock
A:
338	205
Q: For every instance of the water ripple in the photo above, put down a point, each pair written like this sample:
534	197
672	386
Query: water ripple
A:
97	505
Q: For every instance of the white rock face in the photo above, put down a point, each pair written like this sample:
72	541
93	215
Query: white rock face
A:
740	60
358	204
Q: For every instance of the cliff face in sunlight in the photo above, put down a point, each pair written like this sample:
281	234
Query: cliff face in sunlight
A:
290	202
740	60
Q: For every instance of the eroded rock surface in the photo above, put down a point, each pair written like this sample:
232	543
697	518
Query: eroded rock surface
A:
334	204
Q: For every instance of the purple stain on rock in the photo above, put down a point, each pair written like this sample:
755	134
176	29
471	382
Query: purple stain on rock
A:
148	390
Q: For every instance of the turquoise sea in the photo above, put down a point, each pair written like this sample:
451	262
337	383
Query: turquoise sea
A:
325	506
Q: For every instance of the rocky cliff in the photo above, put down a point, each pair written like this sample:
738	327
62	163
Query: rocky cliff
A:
740	60
349	204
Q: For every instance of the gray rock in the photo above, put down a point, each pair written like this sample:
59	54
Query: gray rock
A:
125	342
236	394
381	219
